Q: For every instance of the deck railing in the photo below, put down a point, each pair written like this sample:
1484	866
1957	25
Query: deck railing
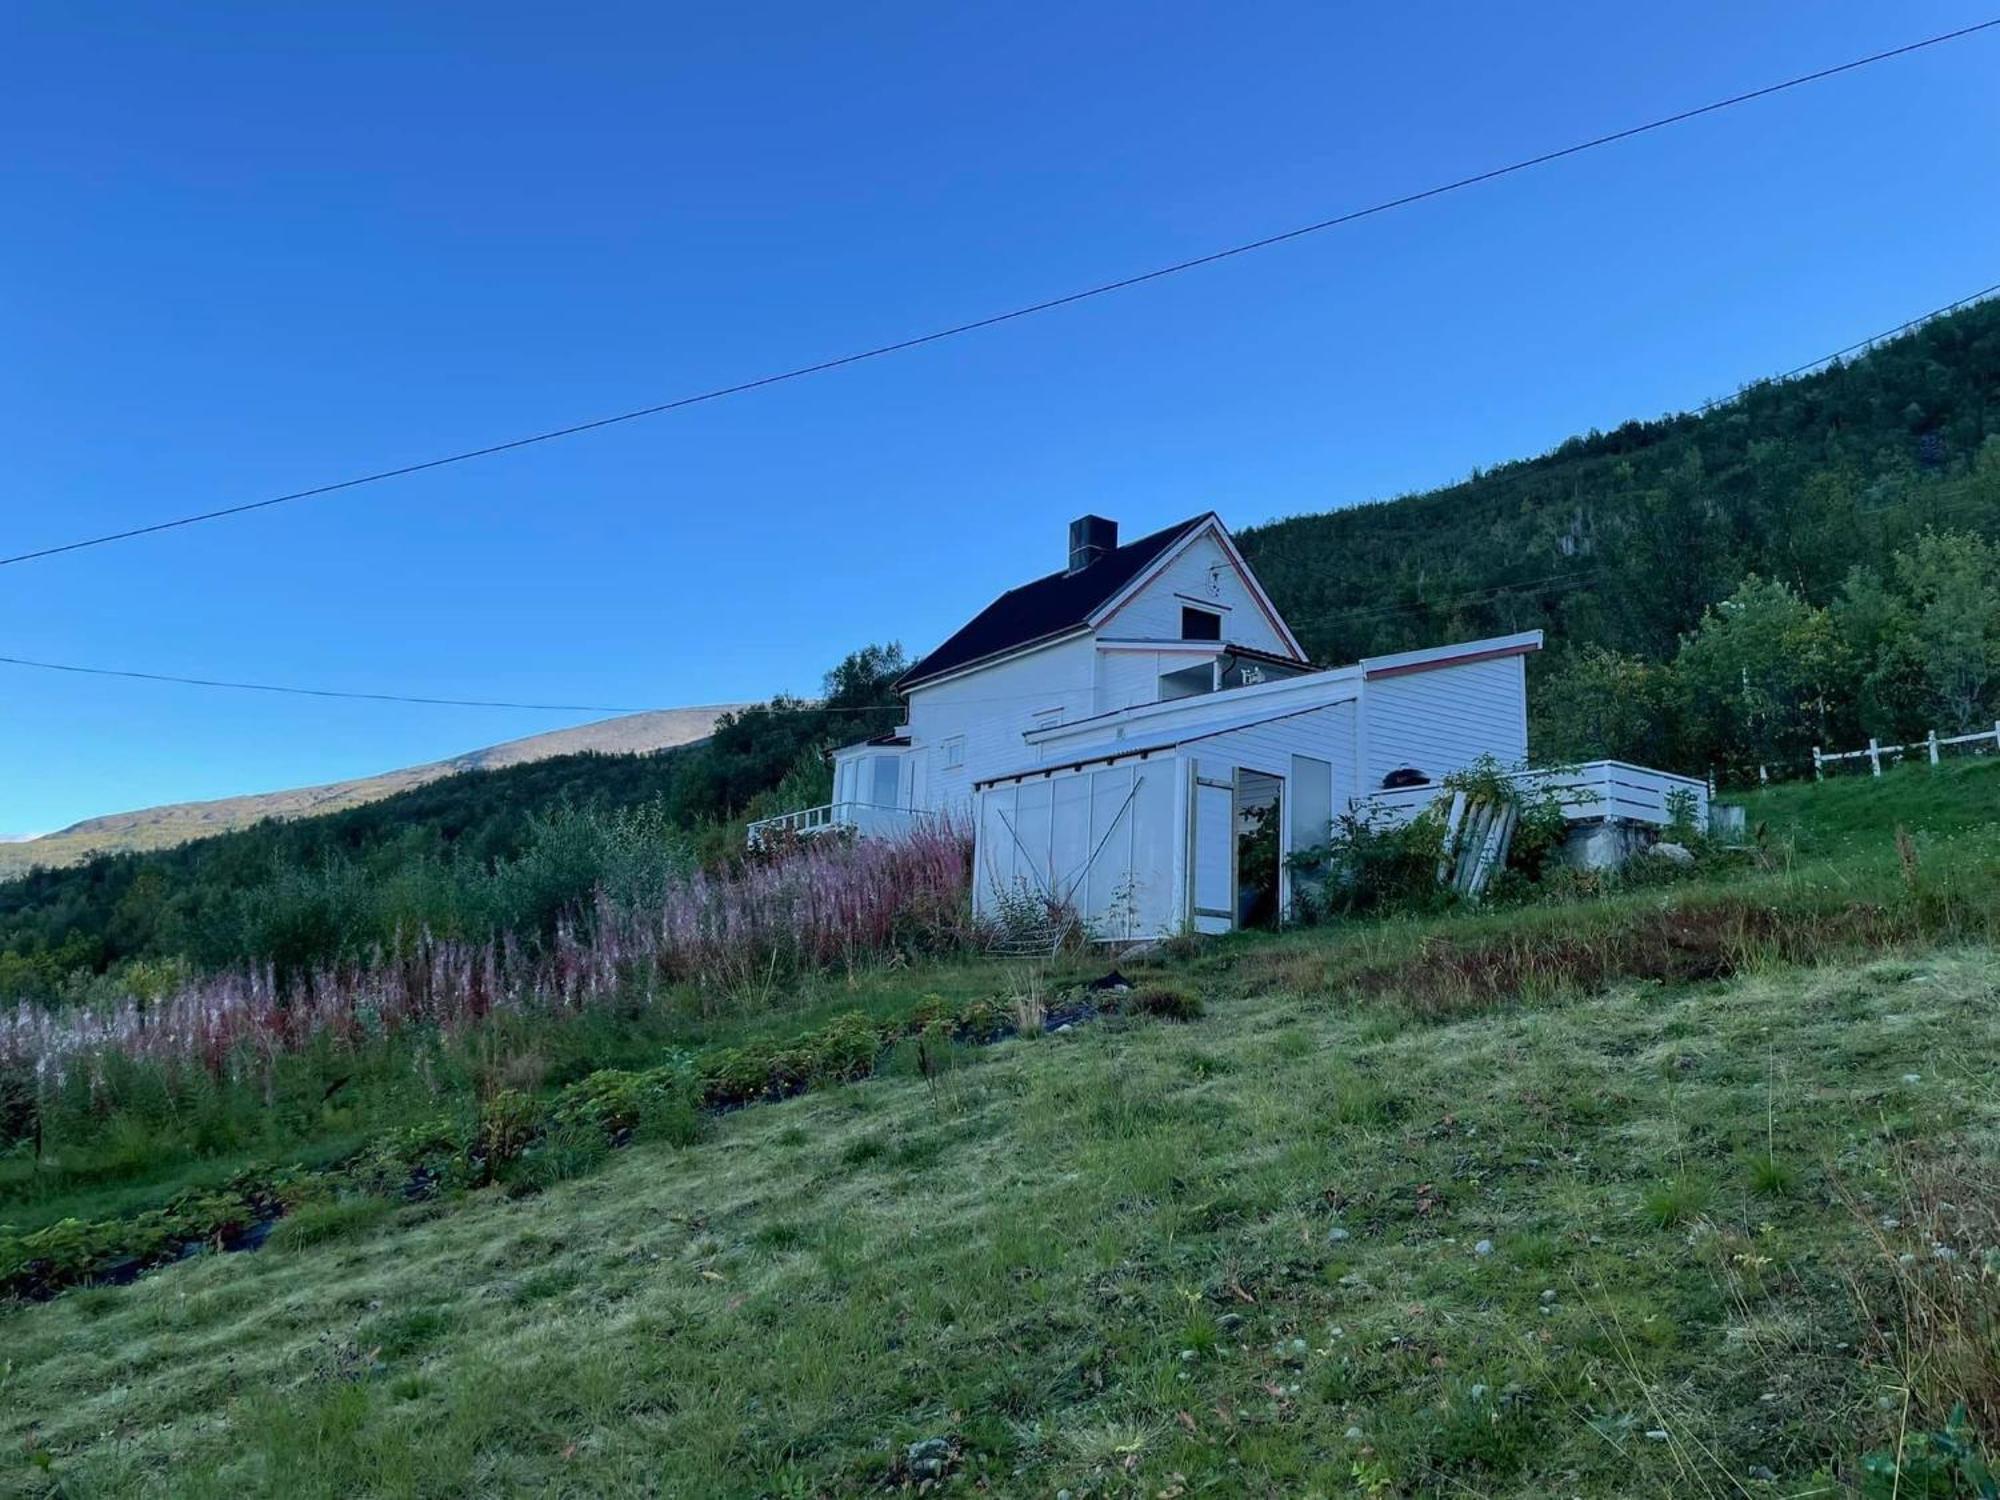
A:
1595	789
863	819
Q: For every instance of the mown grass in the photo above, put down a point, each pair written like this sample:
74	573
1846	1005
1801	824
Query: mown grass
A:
1238	1256
1298	1246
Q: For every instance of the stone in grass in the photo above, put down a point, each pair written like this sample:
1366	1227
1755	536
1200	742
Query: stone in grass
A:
1483	1248
1678	854
929	1458
1336	1234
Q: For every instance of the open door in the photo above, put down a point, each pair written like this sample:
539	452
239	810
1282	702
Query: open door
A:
1212	854
1259	825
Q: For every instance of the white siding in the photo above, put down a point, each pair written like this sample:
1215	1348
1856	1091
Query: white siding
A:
1154	613
1323	733
992	708
1126	679
1443	719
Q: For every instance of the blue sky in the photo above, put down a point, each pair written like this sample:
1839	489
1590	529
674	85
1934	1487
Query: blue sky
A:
247	248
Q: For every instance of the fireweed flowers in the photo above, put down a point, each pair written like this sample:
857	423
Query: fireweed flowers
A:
825	905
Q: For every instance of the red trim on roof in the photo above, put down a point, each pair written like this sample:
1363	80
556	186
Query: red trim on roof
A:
1410	668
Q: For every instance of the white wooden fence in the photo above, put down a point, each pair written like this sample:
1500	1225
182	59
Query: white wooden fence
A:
1931	744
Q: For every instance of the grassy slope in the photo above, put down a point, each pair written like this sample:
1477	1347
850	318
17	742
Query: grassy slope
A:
1022	1259
1046	1262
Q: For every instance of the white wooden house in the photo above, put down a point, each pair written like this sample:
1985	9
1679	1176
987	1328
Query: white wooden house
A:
1116	731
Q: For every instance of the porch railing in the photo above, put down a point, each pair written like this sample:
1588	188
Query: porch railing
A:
863	819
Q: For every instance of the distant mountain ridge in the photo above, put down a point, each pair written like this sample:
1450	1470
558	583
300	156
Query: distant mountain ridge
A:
177	822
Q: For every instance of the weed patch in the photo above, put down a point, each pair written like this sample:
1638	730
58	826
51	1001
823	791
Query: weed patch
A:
1684	943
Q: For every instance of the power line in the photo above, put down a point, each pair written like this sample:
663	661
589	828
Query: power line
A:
1029	310
1826	359
1551	583
309	692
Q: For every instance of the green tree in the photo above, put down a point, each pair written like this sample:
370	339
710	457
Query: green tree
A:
1596	704
1874	629
1950	583
1673	559
1761	677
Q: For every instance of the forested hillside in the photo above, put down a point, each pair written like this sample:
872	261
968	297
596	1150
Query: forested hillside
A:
507	850
164	826
1846	516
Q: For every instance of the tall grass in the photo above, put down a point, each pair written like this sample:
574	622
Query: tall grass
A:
826	905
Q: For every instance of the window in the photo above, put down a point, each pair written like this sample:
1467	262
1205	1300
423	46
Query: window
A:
887	781
1187	682
1200	624
952	752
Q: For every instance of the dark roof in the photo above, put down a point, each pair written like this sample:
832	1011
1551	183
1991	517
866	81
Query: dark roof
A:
1047	607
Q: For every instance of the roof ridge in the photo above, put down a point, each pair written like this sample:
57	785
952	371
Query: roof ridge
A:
1049	605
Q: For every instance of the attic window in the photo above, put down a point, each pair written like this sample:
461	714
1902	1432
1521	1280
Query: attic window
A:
1200	624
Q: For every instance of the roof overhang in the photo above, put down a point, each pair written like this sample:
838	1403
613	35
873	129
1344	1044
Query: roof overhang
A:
1458	654
908	682
1199	710
1164	740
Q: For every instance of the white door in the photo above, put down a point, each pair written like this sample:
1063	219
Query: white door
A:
1213	858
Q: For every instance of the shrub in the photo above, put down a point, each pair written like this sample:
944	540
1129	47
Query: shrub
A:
616	1102
333	1219
73	1251
983	1020
1164	1003
1370	865
508	1124
845	1048
732	1076
1676	1201
565	1151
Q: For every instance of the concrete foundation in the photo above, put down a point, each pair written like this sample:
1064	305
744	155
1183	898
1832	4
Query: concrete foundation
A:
1606	843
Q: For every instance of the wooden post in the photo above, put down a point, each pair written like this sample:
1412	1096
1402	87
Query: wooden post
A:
1932	742
1819	774
1874	756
